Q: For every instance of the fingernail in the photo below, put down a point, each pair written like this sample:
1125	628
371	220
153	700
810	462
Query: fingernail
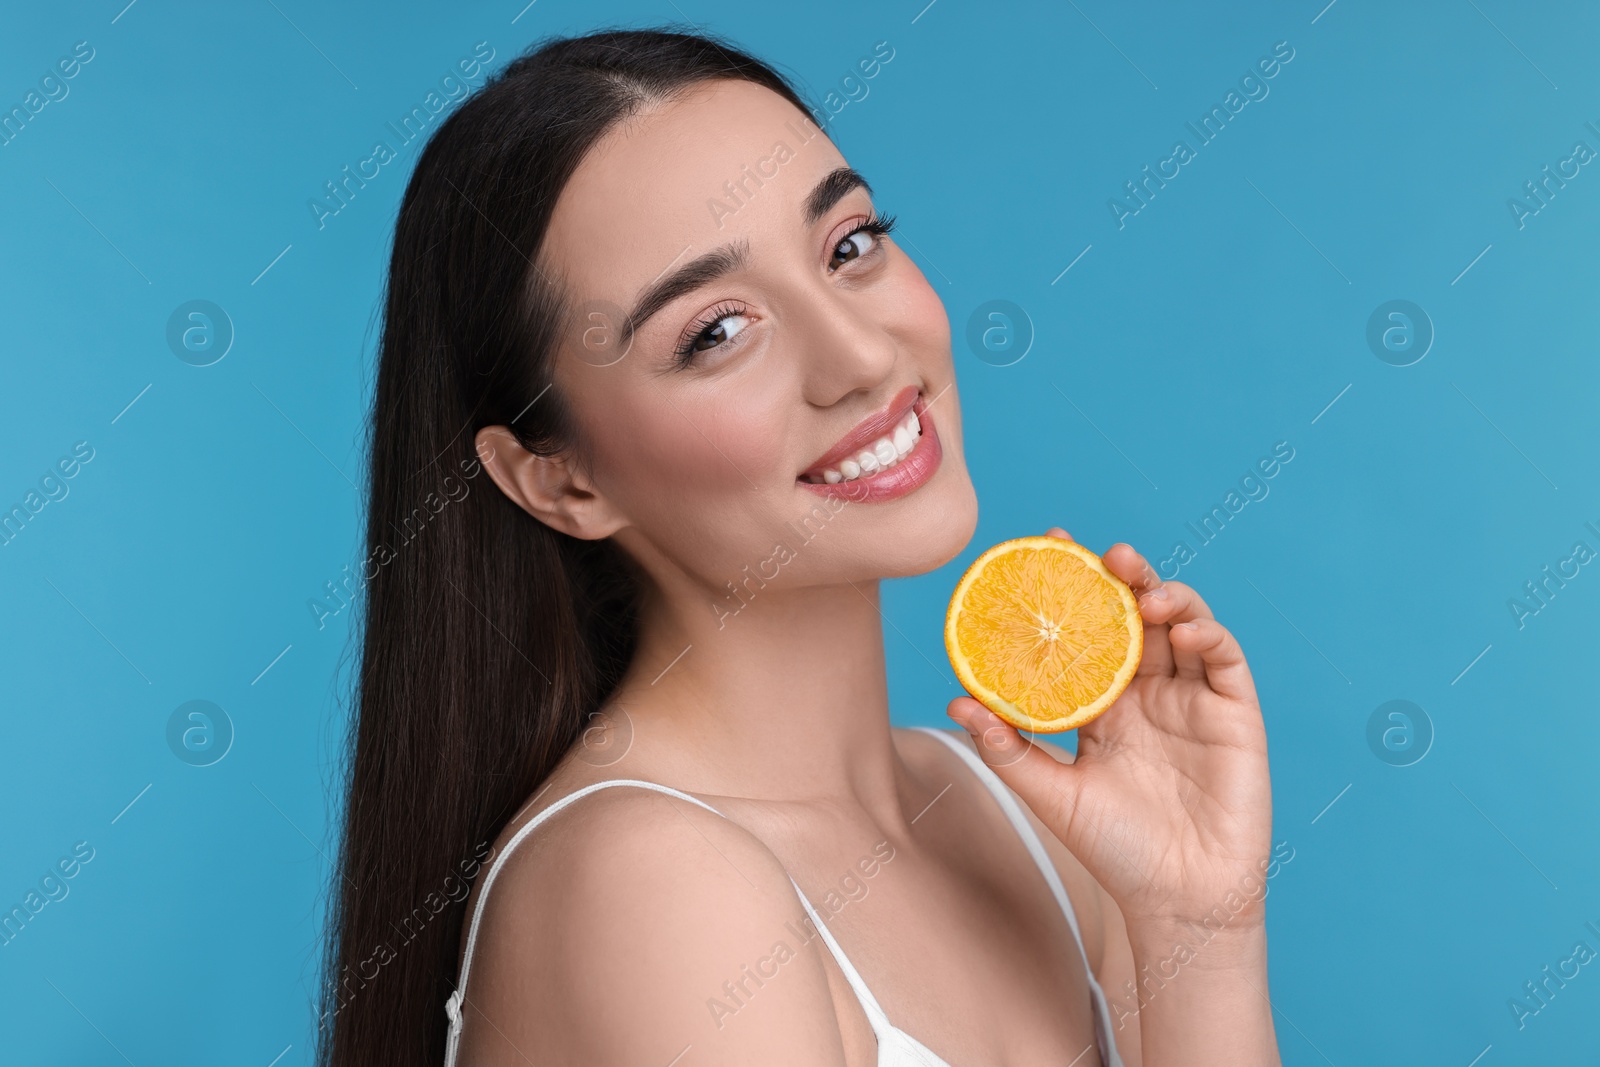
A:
1158	593
1189	625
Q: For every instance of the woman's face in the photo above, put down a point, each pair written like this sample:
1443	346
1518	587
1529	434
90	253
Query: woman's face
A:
786	402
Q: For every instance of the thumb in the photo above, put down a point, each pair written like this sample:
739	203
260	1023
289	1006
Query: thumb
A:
1045	784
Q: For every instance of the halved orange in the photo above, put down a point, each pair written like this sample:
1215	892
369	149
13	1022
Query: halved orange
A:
1042	634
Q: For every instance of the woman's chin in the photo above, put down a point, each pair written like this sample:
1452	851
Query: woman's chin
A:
931	535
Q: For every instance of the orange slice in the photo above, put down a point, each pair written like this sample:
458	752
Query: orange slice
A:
1042	634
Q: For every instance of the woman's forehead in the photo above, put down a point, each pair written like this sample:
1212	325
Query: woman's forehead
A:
725	161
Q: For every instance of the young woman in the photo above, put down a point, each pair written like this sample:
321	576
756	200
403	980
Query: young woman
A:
633	693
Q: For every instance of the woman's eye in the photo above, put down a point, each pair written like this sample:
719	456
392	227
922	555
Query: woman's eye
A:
854	246
722	330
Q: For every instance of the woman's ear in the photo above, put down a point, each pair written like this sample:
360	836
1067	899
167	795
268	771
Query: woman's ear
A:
550	488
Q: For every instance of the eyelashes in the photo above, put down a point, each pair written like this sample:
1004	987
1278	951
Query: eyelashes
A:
701	335
704	329
877	225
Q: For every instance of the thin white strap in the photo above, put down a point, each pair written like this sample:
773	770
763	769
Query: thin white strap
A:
1019	819
869	1003
452	1006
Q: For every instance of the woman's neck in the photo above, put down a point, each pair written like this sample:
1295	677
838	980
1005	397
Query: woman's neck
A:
781	695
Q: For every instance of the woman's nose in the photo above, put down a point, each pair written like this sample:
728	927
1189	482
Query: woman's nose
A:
845	347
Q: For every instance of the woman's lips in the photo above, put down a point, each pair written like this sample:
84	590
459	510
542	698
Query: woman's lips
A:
903	475
867	431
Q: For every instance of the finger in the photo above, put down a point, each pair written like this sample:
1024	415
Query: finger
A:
1126	563
1157	655
1046	785
1168	604
1056	531
1173	602
1224	666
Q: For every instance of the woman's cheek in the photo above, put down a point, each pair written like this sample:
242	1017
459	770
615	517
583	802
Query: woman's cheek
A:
704	453
750	452
923	314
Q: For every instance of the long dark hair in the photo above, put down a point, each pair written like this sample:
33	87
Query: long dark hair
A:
488	637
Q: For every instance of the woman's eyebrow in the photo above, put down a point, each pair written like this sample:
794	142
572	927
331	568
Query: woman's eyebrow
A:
735	256
702	270
832	189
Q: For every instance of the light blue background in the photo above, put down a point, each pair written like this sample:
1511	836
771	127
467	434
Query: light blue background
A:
1223	318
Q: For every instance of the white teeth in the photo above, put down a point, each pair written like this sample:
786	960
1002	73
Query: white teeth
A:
885	452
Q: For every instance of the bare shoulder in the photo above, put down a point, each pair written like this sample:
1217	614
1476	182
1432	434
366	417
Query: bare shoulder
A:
633	906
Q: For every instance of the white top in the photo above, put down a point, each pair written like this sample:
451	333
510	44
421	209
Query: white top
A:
896	1048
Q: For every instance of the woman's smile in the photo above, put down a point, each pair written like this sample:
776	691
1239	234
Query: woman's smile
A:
886	456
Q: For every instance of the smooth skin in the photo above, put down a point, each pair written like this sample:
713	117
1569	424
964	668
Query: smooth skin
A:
635	928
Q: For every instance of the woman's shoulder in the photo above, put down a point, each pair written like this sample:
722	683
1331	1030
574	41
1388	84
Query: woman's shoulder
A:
614	843
627	896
